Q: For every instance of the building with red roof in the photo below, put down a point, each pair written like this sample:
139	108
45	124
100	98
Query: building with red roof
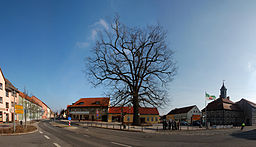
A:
223	111
125	114
89	109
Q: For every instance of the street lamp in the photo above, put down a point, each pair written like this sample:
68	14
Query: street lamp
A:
13	92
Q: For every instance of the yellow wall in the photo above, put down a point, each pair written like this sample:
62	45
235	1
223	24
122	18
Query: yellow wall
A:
171	116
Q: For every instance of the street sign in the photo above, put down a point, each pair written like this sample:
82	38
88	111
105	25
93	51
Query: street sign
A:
69	118
18	107
19	111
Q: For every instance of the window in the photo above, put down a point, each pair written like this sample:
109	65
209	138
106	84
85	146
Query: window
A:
156	118
7	105
128	118
7	94
1	100
152	118
1	86
12	104
147	118
81	103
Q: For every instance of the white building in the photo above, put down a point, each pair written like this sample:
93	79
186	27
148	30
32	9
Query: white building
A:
188	114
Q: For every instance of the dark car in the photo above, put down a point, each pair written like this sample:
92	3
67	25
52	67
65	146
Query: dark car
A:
184	123
196	123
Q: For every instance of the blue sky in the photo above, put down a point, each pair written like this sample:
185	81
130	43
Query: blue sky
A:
43	45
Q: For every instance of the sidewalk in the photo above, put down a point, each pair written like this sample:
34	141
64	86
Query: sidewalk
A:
155	128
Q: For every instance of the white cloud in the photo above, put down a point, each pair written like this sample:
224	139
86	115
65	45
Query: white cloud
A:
103	23
251	67
94	34
82	44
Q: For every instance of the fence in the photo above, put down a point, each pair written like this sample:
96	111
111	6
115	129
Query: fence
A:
144	128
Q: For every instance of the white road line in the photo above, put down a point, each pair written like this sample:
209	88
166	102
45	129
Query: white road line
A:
86	135
56	144
46	137
40	132
121	144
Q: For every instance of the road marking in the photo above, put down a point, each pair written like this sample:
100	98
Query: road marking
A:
86	135
121	144
46	137
56	144
40	132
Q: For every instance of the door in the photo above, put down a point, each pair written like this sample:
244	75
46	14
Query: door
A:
7	117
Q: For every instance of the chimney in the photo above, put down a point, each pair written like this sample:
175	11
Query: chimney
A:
228	97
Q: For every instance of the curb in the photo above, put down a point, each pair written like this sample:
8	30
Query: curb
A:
16	134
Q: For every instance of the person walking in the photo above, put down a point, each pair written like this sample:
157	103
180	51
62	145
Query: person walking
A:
164	126
243	125
169	124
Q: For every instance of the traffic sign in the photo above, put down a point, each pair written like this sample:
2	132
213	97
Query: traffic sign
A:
19	111
69	118
18	107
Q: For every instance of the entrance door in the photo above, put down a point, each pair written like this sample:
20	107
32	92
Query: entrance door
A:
142	120
7	117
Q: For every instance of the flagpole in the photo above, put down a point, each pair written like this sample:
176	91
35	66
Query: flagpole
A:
205	113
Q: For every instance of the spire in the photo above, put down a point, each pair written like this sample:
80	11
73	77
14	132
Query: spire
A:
223	91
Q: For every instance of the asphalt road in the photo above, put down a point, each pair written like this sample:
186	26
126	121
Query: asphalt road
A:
49	136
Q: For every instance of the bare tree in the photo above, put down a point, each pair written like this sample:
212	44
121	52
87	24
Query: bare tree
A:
134	63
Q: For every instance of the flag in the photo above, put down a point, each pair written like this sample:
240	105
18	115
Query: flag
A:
209	97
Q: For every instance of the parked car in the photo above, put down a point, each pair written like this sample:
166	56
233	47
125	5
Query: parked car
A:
196	123
184	123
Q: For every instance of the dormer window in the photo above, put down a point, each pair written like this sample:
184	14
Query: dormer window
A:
81	103
97	102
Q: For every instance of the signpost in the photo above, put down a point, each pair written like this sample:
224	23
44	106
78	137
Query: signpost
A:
69	121
19	109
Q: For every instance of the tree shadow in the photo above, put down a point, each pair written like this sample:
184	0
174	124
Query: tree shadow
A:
250	135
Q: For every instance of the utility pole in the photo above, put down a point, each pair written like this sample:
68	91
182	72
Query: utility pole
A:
14	112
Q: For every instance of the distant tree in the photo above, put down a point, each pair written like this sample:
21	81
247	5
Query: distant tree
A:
134	64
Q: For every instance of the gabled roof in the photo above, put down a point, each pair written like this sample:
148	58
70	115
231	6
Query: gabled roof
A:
25	96
222	104
91	102
9	86
181	110
249	102
142	110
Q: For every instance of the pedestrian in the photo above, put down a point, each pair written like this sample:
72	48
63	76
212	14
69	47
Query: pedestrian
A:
164	121
169	124
243	125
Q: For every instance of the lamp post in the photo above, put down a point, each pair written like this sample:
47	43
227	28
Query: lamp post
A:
14	112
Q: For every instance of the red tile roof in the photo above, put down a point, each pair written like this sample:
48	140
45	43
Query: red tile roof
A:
9	85
142	110
91	102
181	110
222	104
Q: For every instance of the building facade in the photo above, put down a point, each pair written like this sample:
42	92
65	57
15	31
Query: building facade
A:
8	98
125	114
11	96
223	111
188	114
249	111
95	109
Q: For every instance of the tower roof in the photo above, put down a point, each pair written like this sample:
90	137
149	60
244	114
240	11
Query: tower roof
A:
223	87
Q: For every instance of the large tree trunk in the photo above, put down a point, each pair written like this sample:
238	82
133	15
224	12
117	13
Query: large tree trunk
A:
136	118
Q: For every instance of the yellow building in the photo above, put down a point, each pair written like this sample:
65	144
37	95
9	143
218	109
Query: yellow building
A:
147	115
